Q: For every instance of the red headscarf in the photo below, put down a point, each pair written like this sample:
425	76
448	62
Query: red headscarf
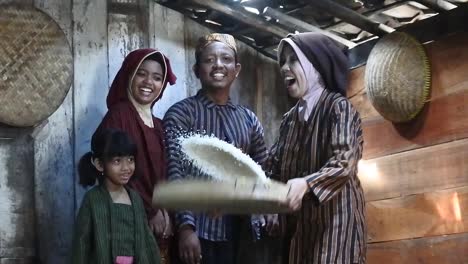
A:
118	91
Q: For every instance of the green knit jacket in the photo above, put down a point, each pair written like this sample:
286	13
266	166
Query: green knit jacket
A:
92	238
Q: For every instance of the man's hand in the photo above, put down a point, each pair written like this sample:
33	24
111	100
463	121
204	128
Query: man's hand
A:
189	246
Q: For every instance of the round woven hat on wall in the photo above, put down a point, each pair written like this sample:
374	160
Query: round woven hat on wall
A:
36	66
397	77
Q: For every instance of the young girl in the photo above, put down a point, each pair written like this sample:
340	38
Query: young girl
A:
111	226
136	89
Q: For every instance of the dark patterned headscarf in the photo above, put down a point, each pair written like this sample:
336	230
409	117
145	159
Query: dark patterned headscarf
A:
327	56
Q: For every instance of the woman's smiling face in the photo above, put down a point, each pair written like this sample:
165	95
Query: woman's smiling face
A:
292	72
147	82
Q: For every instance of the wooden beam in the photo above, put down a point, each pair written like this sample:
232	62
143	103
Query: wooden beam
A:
243	17
10	132
432	250
258	4
212	27
355	82
240	30
442	120
123	8
422	215
437	5
352	17
369	13
417	171
300	25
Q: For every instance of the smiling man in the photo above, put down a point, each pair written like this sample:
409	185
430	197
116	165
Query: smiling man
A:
203	238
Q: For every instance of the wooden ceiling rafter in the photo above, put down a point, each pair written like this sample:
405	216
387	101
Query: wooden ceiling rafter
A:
296	24
242	16
191	12
437	5
369	13
352	17
262	29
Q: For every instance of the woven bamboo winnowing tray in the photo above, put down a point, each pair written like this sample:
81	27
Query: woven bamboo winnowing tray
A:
36	66
235	197
398	77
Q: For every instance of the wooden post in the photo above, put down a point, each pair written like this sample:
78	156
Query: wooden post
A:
352	17
243	16
303	26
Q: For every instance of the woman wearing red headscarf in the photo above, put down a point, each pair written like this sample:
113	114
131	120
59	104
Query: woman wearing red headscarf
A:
138	85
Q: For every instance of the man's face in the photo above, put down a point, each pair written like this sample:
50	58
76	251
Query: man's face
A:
217	67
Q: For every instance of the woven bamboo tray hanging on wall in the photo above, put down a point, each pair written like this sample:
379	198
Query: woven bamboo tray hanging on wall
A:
36	66
398	77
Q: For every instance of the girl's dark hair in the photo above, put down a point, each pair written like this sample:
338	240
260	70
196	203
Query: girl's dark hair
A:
106	144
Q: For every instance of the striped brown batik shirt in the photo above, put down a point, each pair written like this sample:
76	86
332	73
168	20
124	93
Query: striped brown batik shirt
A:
331	226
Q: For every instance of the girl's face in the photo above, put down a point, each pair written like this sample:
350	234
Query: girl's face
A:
292	73
147	82
119	170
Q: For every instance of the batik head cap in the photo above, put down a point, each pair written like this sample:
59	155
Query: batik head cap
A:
210	38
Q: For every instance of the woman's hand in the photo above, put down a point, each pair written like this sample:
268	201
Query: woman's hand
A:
168	231
158	223
298	187
189	246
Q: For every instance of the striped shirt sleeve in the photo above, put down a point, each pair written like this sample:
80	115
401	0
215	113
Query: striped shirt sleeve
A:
176	122
258	150
272	164
346	146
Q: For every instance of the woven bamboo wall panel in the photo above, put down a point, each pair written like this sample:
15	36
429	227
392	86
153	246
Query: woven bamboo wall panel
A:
36	66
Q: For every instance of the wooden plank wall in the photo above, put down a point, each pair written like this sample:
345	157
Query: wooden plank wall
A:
100	35
167	33
53	160
17	229
415	175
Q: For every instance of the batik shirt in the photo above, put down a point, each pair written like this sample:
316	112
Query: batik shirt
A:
234	124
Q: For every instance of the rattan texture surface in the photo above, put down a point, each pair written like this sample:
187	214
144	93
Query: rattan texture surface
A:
36	66
397	77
